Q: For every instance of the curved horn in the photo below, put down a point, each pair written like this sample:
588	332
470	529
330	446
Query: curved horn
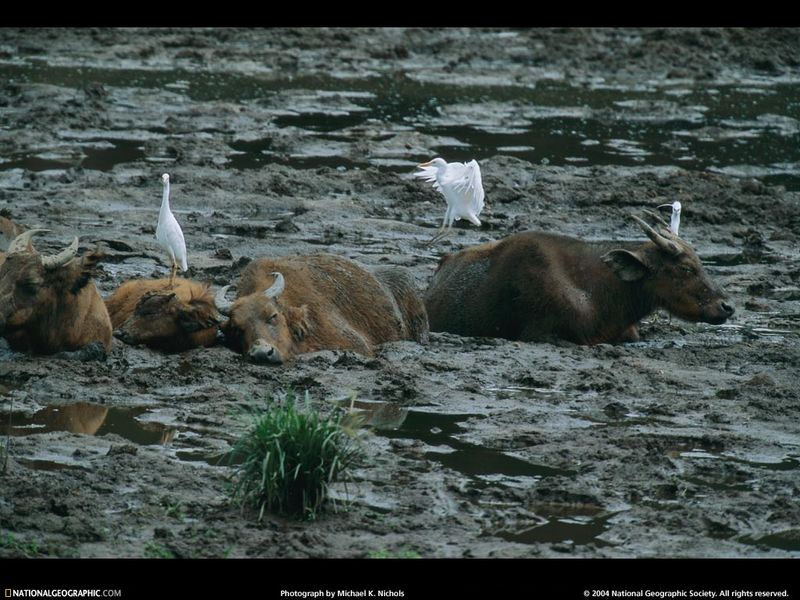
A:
276	289
659	240
657	218
223	305
62	258
23	240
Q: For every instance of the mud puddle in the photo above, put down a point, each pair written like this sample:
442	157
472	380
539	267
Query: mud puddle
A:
134	424
89	419
720	128
103	158
574	530
788	540
790	462
483	465
438	432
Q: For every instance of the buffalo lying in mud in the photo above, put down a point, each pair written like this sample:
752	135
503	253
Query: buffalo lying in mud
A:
50	304
536	286
170	318
293	305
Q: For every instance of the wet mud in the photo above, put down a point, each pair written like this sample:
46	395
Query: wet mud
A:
281	142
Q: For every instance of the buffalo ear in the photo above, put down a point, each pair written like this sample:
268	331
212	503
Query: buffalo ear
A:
153	302
197	316
628	266
298	321
88	263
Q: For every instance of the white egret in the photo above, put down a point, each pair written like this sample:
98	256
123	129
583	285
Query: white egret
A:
462	188
675	220
169	234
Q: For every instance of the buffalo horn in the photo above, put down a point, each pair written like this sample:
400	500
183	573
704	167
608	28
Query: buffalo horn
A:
276	289
223	305
62	258
659	240
23	240
657	218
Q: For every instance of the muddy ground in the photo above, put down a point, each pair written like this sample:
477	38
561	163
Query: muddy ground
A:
682	445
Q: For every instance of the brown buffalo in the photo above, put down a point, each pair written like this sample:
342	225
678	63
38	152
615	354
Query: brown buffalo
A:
50	304
289	306
534	286
151	312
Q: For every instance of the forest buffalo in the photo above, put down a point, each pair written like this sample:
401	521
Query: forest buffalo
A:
293	305
538	286
50	304
170	318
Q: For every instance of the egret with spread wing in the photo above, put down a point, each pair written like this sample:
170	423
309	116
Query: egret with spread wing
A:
462	188
675	219
169	234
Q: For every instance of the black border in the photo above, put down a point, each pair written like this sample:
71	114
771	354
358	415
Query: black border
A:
415	578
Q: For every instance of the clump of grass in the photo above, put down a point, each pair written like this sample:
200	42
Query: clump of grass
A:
156	550
290	456
19	547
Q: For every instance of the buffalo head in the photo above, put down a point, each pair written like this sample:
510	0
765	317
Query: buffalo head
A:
672	274
172	321
46	302
260	326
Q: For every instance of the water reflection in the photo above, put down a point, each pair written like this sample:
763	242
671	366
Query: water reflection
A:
89	419
483	464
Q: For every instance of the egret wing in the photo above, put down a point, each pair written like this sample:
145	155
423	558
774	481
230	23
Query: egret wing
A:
171	237
469	184
429	175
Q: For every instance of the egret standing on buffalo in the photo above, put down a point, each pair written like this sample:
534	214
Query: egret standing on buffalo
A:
461	186
169	234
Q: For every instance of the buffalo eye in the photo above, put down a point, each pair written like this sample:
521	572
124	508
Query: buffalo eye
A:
687	269
28	286
273	319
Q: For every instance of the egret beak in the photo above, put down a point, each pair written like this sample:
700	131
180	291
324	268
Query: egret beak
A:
425	164
663	205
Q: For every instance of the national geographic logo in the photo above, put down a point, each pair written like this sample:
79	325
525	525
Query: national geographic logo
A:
27	593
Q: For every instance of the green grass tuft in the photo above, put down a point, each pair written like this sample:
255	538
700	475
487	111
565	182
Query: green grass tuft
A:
156	550
19	547
290	457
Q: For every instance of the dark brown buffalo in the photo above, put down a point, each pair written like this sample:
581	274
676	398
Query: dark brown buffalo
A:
151	312
289	306
50	304
535	286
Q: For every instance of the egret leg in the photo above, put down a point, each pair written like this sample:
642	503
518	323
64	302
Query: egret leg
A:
443	231
172	275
